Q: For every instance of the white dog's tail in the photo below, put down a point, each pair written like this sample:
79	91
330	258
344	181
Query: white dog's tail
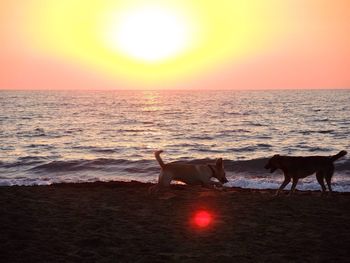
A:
338	155
160	161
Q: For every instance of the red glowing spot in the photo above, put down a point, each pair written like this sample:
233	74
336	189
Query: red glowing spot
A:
202	218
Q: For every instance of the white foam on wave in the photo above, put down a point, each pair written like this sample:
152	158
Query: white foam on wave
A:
340	183
57	178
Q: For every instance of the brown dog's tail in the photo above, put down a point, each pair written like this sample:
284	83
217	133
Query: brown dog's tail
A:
338	155
160	161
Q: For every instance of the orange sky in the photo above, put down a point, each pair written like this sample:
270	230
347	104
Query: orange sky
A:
291	45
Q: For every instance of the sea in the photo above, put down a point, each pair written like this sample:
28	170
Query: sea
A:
51	137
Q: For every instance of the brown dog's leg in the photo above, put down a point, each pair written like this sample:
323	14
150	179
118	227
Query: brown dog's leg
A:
320	180
283	185
295	181
328	180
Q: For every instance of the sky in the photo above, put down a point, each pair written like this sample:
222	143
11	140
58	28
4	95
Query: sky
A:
174	44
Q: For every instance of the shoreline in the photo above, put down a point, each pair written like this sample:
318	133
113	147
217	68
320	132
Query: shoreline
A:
120	221
173	186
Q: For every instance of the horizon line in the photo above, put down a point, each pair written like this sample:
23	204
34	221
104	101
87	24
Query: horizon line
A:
194	89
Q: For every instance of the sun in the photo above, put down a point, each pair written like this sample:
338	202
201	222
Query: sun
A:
150	34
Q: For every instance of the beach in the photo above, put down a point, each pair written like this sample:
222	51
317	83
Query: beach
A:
122	222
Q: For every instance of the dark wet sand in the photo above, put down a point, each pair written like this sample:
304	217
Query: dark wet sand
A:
120	222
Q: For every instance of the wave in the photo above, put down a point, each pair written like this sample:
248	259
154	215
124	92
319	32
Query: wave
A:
199	138
230	131
249	149
253	166
24	161
309	132
314	149
96	149
40	163
99	164
241	173
340	183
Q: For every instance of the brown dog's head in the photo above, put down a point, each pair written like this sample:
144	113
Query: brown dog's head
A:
220	171
273	163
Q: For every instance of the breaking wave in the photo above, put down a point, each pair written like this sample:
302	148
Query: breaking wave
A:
241	173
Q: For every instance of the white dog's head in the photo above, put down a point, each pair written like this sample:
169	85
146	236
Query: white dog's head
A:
220	171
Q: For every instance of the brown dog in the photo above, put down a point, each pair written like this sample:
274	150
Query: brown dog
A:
191	174
301	167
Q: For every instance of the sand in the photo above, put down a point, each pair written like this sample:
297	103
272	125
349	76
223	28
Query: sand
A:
121	222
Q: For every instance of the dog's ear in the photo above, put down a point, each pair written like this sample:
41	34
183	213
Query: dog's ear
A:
219	163
276	157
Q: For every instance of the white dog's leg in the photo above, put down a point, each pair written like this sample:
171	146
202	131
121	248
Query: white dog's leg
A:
156	187
164	181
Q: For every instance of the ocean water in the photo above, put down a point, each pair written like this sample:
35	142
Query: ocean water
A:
81	136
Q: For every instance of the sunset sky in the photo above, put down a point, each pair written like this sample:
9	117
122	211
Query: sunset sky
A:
174	44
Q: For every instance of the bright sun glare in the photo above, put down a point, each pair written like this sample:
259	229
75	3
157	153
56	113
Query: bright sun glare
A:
151	34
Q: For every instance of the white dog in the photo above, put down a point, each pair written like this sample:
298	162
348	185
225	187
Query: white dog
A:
191	174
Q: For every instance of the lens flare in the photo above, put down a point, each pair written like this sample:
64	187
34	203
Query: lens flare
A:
203	219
